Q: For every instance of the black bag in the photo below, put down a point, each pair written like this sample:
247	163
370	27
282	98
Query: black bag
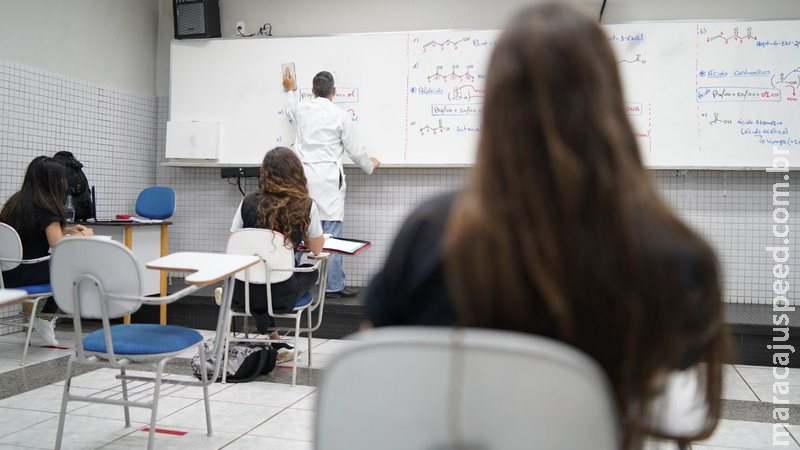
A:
245	362
78	185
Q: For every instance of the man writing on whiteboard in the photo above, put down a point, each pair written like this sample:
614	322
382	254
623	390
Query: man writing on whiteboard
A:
324	133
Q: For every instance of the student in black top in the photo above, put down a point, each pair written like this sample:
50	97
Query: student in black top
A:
281	204
37	213
560	231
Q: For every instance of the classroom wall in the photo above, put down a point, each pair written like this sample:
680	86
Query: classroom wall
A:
79	75
731	208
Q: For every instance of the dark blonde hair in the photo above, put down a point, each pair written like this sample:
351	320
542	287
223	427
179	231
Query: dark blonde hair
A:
561	232
284	204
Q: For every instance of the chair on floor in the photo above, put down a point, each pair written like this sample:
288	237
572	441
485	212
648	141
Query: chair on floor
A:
278	264
99	279
157	202
449	388
10	258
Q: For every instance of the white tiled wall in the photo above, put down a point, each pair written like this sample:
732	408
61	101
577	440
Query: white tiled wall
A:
120	137
732	209
112	132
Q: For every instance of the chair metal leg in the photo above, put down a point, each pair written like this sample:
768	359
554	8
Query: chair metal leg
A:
62	415
308	336
34	307
296	345
125	397
225	349
154	406
204	378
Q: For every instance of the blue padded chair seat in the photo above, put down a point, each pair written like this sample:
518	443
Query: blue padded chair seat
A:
36	289
303	301
143	339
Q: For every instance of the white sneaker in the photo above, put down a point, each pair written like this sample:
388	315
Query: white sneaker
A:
218	296
47	330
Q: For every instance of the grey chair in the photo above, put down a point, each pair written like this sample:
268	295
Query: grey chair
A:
99	279
446	388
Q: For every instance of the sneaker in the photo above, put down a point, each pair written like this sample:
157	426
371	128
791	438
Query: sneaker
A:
218	296
346	292
285	355
47	330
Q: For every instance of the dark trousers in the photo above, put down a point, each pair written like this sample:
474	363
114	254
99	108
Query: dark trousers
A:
284	296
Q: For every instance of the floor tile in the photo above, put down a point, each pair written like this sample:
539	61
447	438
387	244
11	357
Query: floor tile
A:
9	364
230	417
745	435
296	424
265	394
333	346
13	420
193	440
250	442
79	433
309	402
761	379
45	399
195	392
734	386
166	406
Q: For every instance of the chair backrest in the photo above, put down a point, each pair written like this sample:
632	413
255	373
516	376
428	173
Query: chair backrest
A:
10	247
157	202
113	265
442	388
266	244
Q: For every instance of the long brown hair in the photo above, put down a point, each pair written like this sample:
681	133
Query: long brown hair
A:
44	186
561	232
284	204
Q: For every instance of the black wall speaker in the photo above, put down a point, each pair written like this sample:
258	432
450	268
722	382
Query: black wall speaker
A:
196	18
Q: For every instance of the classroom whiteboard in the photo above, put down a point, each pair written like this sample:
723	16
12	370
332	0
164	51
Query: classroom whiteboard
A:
698	94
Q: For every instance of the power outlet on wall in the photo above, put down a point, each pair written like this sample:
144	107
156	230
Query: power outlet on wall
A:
240	27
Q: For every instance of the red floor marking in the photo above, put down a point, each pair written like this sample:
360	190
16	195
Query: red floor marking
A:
58	347
166	431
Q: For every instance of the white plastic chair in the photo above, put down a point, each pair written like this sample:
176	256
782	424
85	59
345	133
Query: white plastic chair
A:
448	388
99	279
278	264
10	258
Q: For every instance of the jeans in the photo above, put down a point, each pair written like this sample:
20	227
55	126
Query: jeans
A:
335	280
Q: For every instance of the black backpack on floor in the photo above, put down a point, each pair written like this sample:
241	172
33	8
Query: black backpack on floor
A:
245	361
78	185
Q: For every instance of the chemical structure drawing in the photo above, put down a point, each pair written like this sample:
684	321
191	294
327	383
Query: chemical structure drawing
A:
452	76
638	60
352	114
734	37
444	45
789	80
466	92
718	121
428	130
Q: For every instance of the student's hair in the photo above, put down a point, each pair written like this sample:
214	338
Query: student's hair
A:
560	230
44	186
323	84
284	204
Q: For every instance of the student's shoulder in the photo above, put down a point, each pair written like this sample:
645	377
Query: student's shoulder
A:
435	210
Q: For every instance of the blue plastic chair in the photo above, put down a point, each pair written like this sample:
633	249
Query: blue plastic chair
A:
157	202
10	258
99	279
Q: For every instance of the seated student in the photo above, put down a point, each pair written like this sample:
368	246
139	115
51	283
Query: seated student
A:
37	213
560	231
281	204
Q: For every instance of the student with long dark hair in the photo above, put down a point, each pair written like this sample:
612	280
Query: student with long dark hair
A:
280	204
37	213
560	231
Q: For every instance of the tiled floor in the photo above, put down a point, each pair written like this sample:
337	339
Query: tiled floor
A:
261	415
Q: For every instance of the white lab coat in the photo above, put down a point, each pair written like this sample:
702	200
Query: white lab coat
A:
324	133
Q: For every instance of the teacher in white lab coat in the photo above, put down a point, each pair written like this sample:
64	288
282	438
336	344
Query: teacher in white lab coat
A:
324	133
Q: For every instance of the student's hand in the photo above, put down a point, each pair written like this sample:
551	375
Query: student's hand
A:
87	231
375	162
288	81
